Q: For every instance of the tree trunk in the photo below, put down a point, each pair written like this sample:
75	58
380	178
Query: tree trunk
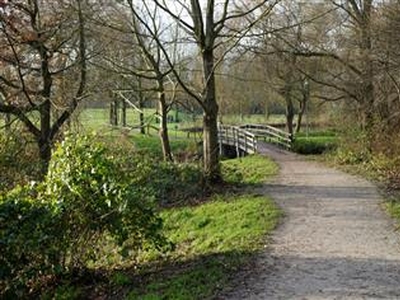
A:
141	114
123	113
210	119
289	115
300	116
7	122
303	104
44	141
111	116
163	131
114	113
367	77
211	147
289	106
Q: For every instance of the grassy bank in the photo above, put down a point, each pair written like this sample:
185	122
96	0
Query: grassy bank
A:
212	241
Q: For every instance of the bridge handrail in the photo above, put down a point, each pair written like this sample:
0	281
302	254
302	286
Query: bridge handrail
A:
279	136
238	137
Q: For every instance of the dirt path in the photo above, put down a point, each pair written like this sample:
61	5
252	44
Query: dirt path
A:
335	241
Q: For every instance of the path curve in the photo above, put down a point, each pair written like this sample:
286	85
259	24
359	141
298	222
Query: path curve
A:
335	241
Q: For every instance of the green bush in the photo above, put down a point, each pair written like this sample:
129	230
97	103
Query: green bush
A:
56	226
94	196
28	240
17	171
314	145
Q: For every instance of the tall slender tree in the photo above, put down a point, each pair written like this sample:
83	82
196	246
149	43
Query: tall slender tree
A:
210	27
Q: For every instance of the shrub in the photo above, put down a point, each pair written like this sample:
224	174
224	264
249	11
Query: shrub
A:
94	196
56	225
28	240
314	145
17	171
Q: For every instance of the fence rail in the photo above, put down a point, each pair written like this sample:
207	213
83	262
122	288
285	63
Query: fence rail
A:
240	138
270	134
245	137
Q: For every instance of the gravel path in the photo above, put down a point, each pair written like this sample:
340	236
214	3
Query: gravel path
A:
334	243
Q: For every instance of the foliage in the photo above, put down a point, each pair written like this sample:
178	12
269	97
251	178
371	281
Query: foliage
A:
314	144
253	169
55	226
28	243
95	196
16	171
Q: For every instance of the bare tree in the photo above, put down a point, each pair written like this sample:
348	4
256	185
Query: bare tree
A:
40	44
210	27
138	26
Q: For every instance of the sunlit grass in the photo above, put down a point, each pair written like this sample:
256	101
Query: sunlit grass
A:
212	240
253	169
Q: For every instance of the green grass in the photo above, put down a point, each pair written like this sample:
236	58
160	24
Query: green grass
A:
223	225
94	119
212	241
152	144
315	143
393	207
249	170
253	119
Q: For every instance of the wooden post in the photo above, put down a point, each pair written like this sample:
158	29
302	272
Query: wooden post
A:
123	113
236	138
220	137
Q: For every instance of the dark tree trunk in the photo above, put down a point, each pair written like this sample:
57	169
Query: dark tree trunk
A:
300	116
210	119
289	105
123	113
114	113
44	140
303	105
367	77
289	115
163	131
7	121
141	114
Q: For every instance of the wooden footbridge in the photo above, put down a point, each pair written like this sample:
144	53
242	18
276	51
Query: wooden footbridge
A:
244	138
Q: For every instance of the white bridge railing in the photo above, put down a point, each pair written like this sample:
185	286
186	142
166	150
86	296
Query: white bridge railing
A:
245	137
235	136
270	134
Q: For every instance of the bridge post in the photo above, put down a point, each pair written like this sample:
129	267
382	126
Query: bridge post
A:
220	138
236	135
